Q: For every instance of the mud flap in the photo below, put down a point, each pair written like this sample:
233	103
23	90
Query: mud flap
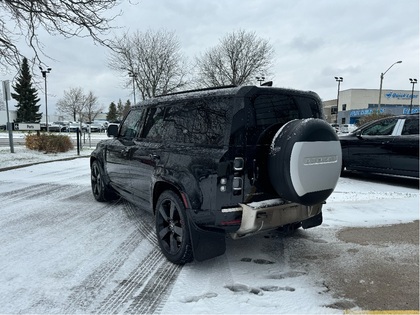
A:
206	243
312	222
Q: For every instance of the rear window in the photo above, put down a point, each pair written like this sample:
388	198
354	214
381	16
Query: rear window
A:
280	108
411	127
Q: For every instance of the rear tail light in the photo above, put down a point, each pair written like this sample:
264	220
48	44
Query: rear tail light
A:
238	164
237	183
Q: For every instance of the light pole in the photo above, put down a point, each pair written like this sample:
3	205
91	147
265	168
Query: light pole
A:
134	76
380	86
44	74
260	79
412	81
339	80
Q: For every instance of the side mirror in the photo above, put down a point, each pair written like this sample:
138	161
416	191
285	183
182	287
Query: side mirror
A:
359	134
112	131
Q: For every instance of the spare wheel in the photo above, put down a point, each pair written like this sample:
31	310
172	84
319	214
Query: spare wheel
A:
304	163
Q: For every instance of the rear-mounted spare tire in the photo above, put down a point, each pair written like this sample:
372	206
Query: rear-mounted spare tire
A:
304	162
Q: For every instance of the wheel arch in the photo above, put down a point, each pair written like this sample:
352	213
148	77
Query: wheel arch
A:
162	186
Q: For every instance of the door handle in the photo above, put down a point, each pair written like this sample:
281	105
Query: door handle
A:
124	152
154	156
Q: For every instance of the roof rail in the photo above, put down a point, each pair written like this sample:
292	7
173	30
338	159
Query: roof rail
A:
200	90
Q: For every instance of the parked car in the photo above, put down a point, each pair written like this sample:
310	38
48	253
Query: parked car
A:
95	127
57	126
227	161
388	145
103	122
336	127
346	128
73	126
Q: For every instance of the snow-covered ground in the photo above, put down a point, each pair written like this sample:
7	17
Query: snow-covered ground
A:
63	252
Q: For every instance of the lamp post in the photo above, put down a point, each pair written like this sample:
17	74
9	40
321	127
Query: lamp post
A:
412	81
44	74
134	76
260	79
380	86
339	80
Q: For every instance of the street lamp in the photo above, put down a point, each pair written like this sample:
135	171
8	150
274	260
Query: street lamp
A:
339	80
380	86
412	81
260	79
134	76
44	74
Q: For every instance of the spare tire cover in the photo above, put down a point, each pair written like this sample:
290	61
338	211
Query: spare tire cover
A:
304	162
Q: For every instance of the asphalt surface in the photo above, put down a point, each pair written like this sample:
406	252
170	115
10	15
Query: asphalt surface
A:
387	277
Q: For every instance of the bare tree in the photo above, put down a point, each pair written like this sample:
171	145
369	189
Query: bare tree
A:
153	60
91	108
69	18
73	103
239	57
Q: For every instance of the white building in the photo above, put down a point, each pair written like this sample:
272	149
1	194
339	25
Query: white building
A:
355	103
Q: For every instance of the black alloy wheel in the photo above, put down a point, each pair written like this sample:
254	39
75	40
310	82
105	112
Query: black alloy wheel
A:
172	228
100	191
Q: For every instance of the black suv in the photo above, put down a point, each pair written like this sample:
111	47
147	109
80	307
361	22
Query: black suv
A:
233	160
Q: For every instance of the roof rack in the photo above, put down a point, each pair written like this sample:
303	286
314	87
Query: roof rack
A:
200	90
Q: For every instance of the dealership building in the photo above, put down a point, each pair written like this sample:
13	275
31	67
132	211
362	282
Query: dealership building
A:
356	103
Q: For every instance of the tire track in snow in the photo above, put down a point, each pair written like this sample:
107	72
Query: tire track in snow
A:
50	217
143	220
147	287
153	296
28	192
86	293
125	290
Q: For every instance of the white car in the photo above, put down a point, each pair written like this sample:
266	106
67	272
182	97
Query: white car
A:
346	128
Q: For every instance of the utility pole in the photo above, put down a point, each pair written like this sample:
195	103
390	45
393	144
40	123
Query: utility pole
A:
6	93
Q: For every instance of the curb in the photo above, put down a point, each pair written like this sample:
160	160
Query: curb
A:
42	162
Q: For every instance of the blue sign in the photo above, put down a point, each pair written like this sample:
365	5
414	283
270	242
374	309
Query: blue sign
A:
405	96
414	110
363	112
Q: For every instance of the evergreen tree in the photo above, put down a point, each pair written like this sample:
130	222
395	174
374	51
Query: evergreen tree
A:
26	97
126	109
120	108
112	113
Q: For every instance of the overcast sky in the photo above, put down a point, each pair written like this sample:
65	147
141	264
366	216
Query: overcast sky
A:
313	41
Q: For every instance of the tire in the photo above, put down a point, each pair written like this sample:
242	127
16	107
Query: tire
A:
304	162
172	228
100	190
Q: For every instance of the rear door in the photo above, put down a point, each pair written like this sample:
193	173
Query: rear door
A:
404	158
266	114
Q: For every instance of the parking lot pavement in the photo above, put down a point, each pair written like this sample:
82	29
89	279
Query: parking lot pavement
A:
382	271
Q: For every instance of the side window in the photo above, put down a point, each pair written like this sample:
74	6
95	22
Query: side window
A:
154	125
200	121
131	125
381	128
411	127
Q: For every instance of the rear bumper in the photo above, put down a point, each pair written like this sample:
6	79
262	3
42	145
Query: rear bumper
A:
270	214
